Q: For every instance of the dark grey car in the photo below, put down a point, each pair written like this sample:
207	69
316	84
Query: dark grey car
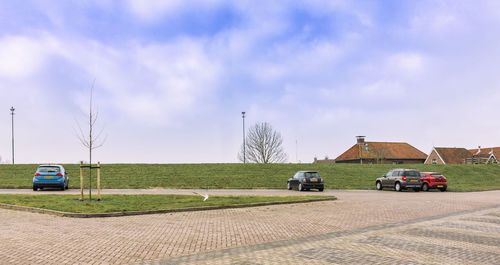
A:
305	180
400	179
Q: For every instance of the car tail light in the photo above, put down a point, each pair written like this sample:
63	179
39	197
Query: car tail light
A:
321	180
404	177
59	174
304	180
37	174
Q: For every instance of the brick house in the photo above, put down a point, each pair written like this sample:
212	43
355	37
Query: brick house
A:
488	155
381	153
448	155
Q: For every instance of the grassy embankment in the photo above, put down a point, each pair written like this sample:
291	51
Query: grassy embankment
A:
121	203
248	176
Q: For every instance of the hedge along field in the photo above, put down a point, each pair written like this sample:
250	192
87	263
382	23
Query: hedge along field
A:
248	176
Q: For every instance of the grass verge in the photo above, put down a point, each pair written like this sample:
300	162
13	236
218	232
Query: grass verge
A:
125	203
250	176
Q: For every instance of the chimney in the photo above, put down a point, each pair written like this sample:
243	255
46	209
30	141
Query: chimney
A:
360	139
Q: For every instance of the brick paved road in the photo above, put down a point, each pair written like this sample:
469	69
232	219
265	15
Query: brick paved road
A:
354	229
443	239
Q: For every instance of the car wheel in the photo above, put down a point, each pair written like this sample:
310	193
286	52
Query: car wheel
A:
300	187
320	189
443	189
379	185
397	187
288	186
35	188
67	185
425	187
62	187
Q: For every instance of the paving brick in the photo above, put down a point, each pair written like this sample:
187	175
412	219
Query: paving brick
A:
434	249
496	214
467	226
484	220
456	236
342	256
243	236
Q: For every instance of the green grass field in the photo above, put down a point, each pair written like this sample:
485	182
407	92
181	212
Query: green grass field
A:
248	176
121	203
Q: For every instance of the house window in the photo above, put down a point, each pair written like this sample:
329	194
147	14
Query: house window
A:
434	161
394	162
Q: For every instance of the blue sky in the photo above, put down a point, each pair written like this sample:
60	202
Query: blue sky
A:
172	77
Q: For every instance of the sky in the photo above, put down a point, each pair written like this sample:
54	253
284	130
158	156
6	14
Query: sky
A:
171	78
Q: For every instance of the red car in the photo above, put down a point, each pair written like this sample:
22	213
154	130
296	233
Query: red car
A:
433	180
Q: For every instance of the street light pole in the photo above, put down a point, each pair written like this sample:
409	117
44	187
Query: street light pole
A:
244	152
12	109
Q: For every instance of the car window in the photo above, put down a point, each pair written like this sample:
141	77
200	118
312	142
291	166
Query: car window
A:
311	175
389	173
437	175
412	173
49	169
422	175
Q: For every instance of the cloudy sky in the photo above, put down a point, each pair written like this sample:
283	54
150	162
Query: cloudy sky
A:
172	77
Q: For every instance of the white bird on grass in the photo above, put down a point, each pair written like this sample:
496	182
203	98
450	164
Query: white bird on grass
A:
203	195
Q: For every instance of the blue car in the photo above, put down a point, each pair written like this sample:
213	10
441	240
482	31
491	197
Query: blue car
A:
50	176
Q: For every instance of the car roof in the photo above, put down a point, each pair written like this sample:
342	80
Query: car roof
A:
405	169
307	171
430	172
51	166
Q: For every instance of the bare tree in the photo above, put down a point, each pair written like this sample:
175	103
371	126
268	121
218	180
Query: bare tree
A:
91	140
380	155
263	145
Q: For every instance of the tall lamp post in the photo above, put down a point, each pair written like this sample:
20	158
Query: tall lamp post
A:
244	153
12	109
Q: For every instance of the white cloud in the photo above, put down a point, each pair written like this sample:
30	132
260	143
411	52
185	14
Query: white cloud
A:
150	11
22	56
292	60
182	76
383	88
152	83
433	22
409	64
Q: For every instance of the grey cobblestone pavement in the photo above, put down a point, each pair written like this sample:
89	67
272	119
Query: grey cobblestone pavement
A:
361	227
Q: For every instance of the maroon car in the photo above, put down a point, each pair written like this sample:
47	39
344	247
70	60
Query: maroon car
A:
433	180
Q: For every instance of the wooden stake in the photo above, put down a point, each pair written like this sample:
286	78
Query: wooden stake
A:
81	180
98	181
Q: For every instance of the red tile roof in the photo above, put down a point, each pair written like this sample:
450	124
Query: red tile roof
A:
486	151
386	150
453	155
